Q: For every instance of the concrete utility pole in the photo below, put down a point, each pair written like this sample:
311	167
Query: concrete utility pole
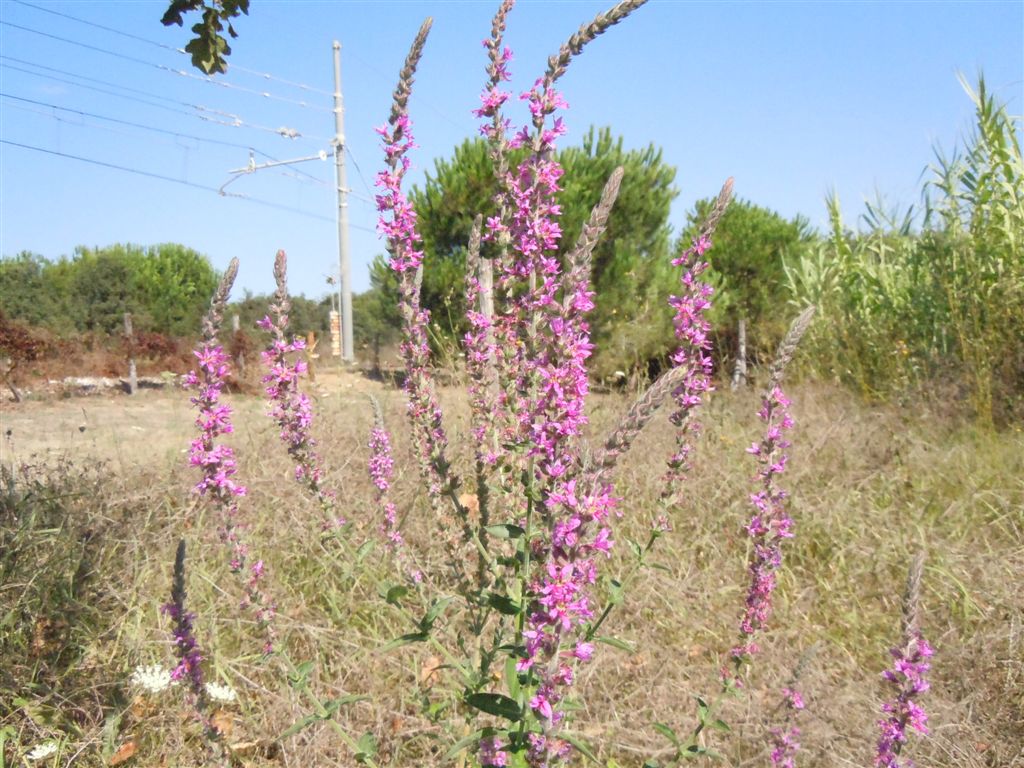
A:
345	281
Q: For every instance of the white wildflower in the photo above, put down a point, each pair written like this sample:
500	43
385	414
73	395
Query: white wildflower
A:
220	693
41	751
152	679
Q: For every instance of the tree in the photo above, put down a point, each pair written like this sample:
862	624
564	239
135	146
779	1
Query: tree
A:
175	284
209	48
166	288
25	292
627	261
375	317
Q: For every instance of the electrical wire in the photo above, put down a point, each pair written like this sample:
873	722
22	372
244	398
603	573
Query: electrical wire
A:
233	120
154	129
173	180
165	68
164	46
93	126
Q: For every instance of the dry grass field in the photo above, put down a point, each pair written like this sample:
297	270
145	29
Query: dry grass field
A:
96	494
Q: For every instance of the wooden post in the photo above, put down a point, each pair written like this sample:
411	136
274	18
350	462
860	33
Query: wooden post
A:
236	329
311	342
739	374
7	366
133	380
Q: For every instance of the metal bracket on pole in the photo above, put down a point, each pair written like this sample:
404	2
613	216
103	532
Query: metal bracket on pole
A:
252	167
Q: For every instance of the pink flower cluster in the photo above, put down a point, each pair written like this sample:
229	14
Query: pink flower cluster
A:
292	411
551	342
480	349
493	97
693	355
381	471
216	462
190	657
397	222
770	525
491	753
400	229
784	739
908	677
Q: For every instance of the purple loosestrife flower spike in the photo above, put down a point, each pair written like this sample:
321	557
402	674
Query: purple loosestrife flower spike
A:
907	678
784	743
290	408
784	739
547	328
382	469
770	524
397	223
693	355
190	657
480	353
216	461
558	63
215	314
189	669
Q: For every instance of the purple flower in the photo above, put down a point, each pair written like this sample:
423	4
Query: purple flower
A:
770	525
907	677
217	465
491	753
397	223
290	408
693	355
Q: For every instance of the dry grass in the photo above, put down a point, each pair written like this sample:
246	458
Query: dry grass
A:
86	557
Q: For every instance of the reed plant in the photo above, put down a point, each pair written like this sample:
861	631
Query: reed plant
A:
918	298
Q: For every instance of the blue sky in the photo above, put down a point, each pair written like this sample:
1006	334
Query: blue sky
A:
790	98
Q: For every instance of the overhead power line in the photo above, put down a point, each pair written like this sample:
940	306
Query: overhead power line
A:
165	68
140	126
164	46
171	179
200	112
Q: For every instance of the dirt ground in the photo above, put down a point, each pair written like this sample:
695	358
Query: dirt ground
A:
153	426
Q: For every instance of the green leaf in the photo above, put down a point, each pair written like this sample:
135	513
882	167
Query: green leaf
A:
436	609
364	550
615	642
496	704
366	747
299	679
668	733
408	639
721	725
299	725
580	745
503	604
616	593
505	531
394	594
512	676
466	741
702	710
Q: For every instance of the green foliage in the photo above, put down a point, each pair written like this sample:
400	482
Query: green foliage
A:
375	317
305	315
750	245
630	261
165	287
209	48
26	290
898	308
